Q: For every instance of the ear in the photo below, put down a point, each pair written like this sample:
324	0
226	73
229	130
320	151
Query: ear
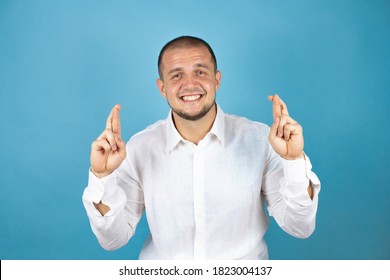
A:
218	77
161	87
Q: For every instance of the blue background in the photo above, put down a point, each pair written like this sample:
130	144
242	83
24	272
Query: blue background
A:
65	64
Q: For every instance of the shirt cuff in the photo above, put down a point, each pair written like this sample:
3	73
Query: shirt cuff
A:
100	188
296	171
296	175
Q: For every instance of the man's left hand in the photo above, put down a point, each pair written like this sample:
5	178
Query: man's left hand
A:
285	137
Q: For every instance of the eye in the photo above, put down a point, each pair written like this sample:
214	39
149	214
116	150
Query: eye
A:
201	72
176	76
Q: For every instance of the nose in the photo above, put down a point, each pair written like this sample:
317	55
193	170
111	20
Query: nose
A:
191	86
190	82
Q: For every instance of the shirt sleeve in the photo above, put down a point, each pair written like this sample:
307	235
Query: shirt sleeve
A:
285	184
124	195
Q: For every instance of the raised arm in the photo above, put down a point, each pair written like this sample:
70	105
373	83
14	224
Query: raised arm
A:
108	151
286	136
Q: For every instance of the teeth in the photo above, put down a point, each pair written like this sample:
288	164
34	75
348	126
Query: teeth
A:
191	97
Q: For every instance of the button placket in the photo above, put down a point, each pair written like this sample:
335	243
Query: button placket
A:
198	186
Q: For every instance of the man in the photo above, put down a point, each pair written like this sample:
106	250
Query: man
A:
201	176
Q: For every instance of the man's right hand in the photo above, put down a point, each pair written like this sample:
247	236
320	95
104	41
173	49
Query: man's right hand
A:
108	150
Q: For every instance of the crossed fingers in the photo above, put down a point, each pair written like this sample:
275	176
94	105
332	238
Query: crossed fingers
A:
284	124
113	121
279	108
111	136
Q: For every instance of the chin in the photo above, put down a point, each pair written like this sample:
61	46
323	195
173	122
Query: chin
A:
194	116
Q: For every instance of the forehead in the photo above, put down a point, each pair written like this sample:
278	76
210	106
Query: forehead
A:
185	56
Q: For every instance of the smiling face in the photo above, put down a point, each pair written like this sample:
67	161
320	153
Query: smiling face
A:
189	82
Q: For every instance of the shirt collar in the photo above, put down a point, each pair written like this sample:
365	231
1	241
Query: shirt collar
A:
173	137
218	128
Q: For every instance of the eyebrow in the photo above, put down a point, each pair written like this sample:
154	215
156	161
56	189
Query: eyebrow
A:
198	65
177	69
201	65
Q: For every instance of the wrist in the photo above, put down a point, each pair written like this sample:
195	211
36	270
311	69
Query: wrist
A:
100	175
300	156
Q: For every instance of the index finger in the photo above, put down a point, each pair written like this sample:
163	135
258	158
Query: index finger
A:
278	106
113	121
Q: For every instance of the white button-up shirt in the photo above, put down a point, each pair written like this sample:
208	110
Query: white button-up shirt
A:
203	201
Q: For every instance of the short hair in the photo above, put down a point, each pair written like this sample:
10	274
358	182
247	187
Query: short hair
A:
185	42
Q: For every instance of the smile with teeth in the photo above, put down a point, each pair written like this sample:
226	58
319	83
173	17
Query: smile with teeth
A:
191	97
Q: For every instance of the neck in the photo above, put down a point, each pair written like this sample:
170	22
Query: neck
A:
195	131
